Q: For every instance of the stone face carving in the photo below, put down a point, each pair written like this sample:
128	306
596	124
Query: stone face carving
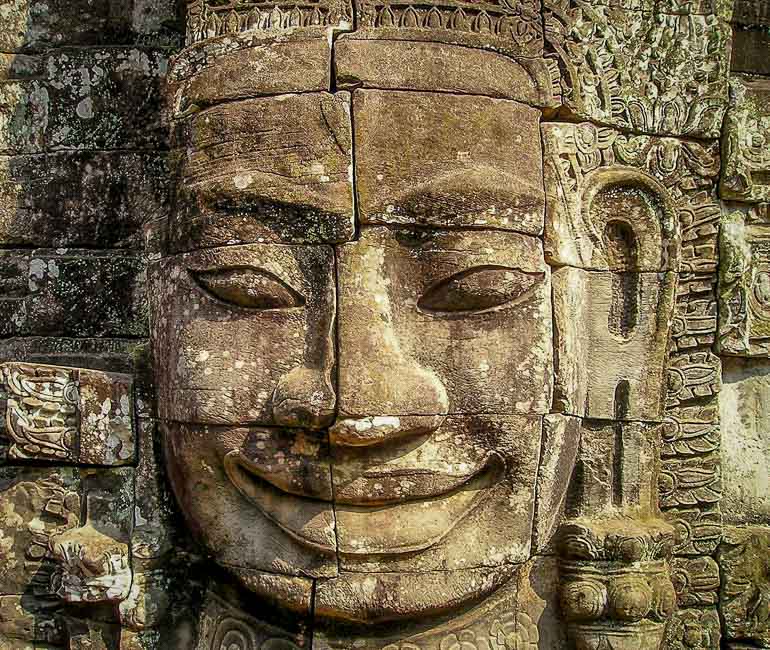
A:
464	171
261	193
440	298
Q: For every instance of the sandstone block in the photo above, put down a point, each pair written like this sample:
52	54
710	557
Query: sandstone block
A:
461	317
611	336
746	161
275	183
68	415
46	292
80	199
464	170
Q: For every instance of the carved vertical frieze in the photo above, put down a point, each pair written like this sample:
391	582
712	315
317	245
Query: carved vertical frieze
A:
746	142
744	598
744	284
690	479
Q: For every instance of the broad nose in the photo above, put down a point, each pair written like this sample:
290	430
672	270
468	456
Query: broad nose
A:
384	390
304	397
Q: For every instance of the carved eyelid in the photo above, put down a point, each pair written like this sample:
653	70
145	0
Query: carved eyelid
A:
478	290
247	287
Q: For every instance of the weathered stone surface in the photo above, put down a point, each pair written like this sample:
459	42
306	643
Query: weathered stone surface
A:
751	12
92	566
690	430
26	619
223	625
210	18
82	102
745	441
80	199
35	504
154	524
358	420
513	28
92	561
464	170
37	24
110	355
489	624
475	473
234	492
614	583
696	581
695	313
744	286
614	472
46	292
743	560
252	64
271	348
698	530
462	318
661	189
68	415
611	334
746	140
558	455
749	46
693	629
648	72
429	66
87	634
694	481
692	376
538	612
277	183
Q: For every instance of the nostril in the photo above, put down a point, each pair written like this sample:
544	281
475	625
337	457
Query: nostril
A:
299	413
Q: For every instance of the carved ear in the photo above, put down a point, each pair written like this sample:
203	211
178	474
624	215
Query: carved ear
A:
630	221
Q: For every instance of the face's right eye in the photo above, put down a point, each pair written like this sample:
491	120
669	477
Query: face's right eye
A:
248	287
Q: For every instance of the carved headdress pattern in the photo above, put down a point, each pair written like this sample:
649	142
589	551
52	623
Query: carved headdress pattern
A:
508	25
211	18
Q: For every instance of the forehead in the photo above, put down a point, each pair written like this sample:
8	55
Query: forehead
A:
310	168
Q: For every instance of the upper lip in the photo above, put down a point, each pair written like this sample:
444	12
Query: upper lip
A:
378	486
370	478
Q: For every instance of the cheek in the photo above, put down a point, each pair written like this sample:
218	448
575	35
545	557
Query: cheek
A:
499	362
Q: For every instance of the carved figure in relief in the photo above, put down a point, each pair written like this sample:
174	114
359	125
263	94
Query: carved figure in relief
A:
386	357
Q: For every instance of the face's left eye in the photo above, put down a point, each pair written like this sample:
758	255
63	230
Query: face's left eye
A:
248	287
479	289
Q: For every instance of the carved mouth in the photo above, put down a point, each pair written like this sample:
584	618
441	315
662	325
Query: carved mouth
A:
388	511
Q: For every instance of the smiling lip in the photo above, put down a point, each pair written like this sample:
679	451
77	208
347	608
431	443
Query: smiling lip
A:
375	498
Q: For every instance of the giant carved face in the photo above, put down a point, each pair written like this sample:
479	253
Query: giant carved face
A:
352	321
